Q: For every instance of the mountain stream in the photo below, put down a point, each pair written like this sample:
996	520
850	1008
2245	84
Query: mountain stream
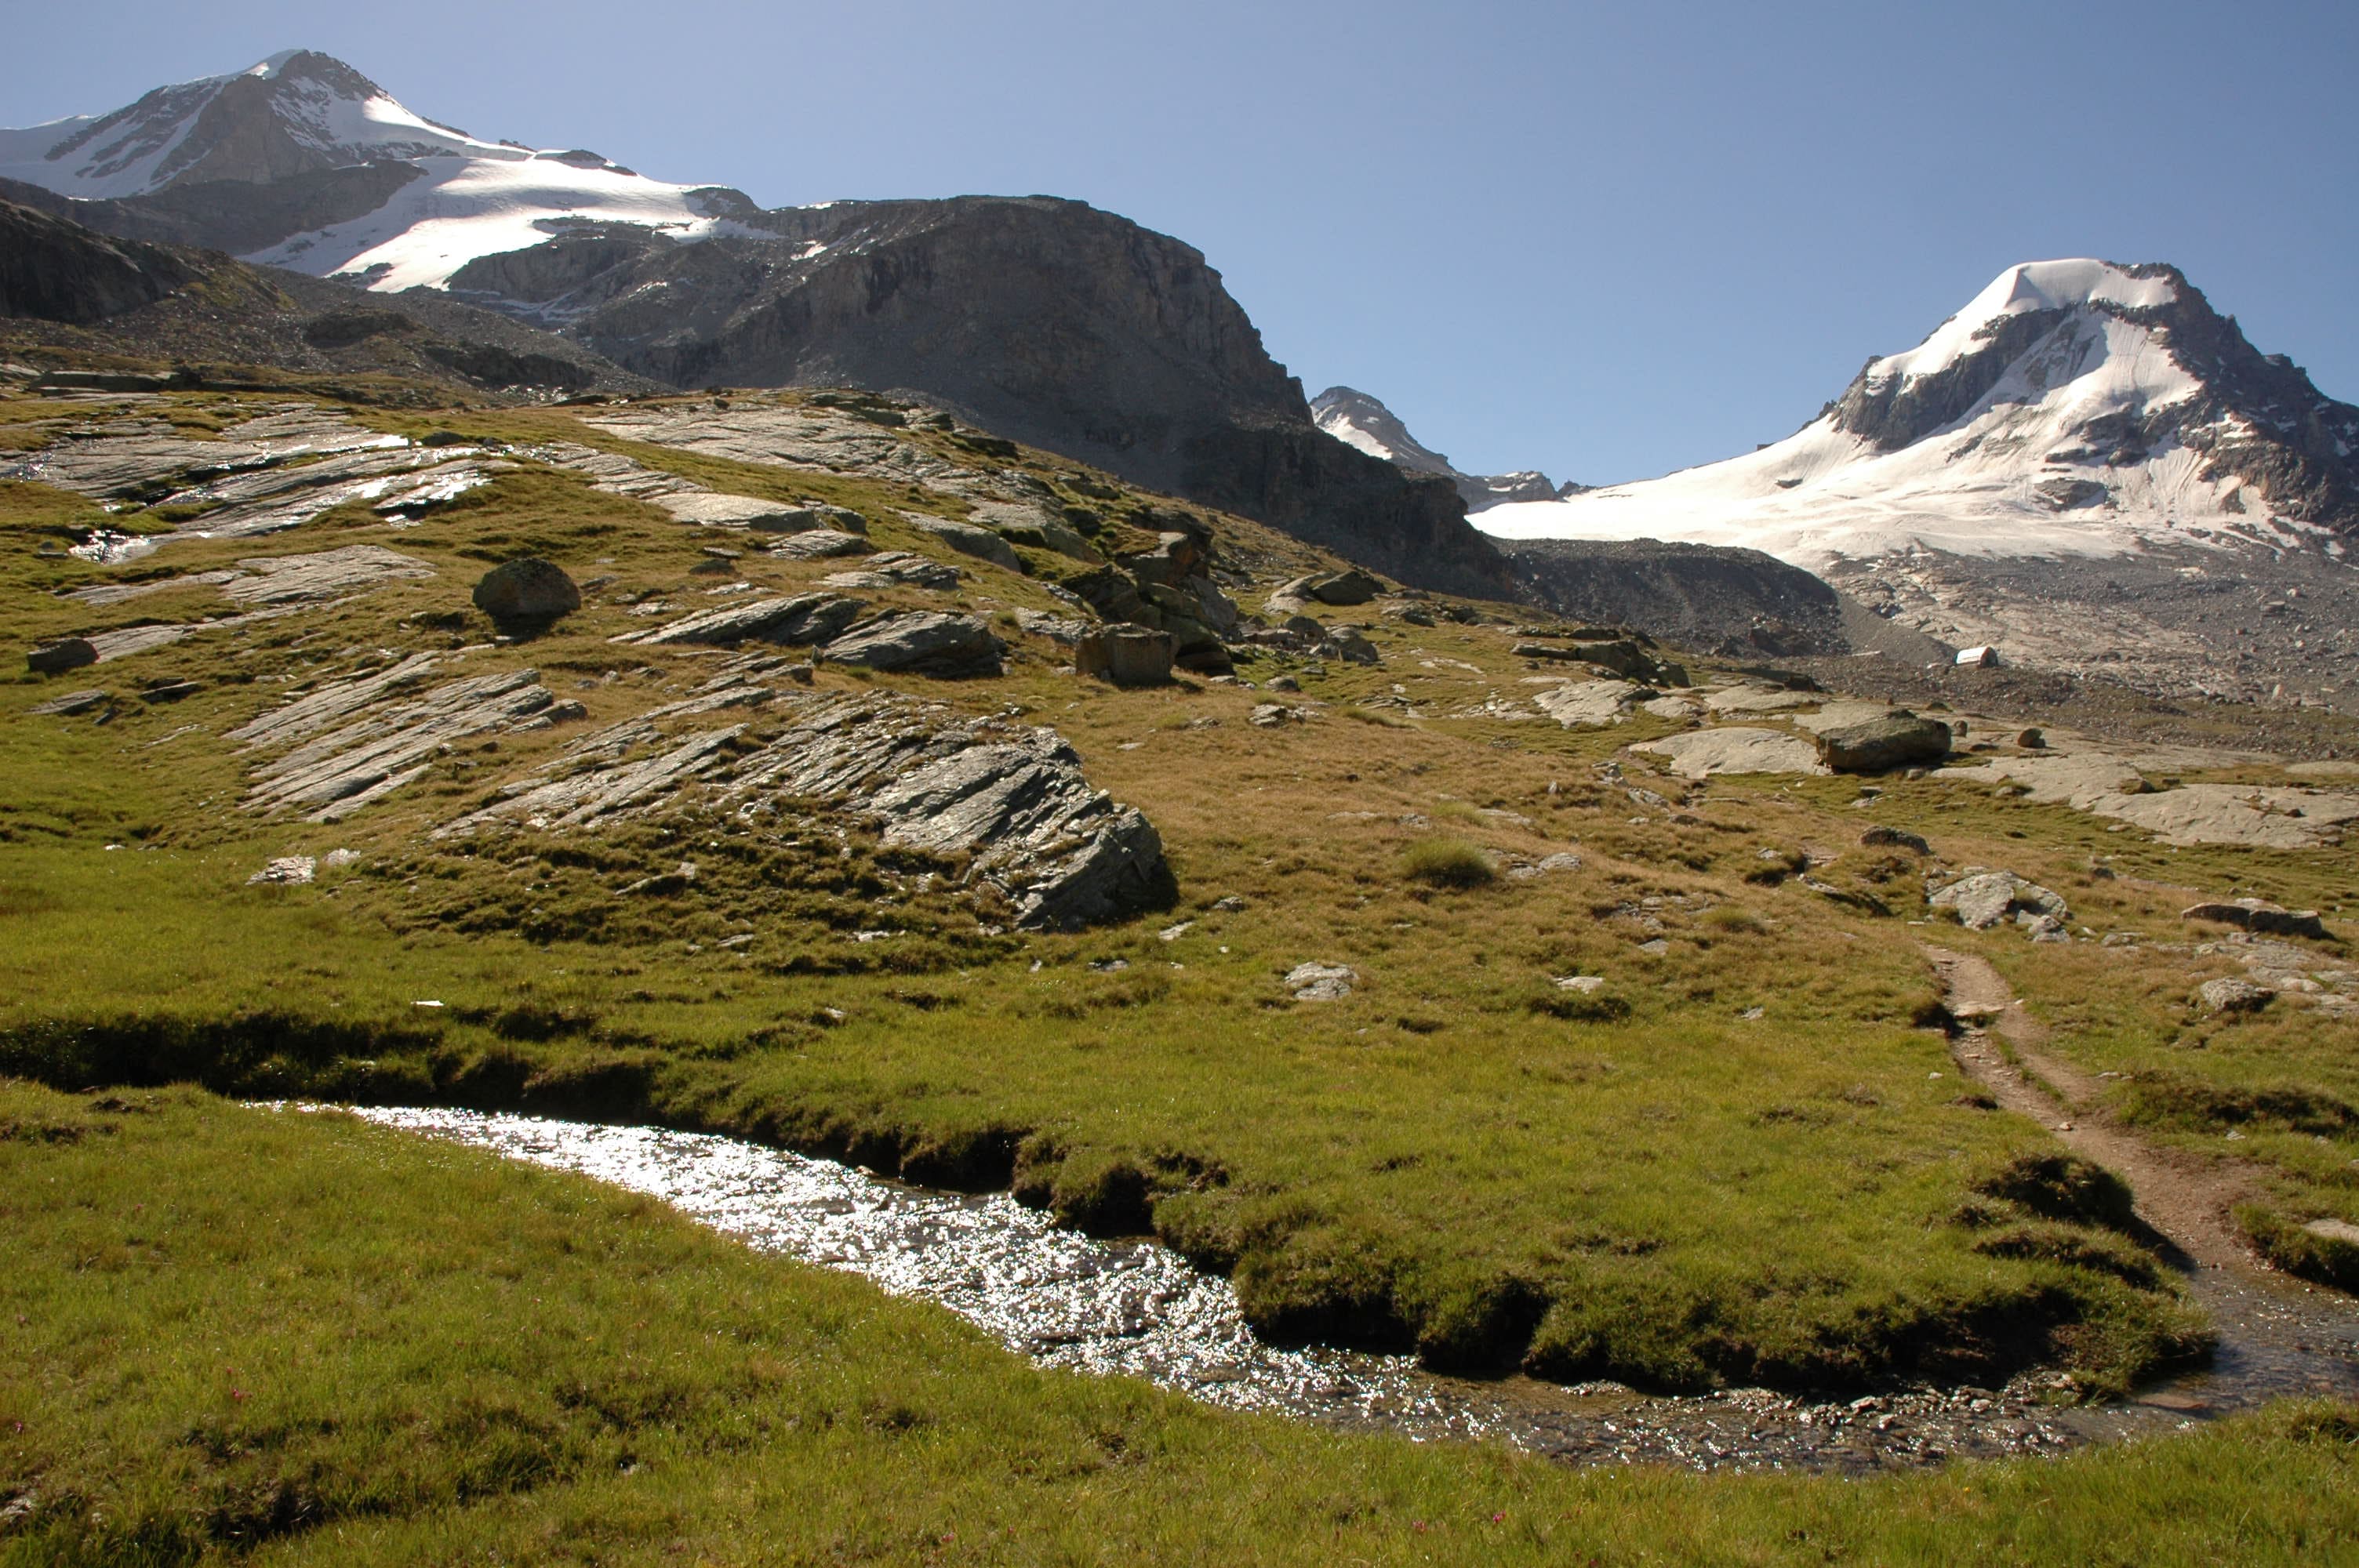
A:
1134	1308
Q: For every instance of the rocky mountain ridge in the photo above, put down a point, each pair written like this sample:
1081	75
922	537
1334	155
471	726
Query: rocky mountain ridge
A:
1047	320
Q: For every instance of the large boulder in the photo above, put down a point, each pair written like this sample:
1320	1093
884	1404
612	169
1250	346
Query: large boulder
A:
969	540
1896	740
527	589
920	642
66	654
1126	656
2261	916
1984	898
1344	587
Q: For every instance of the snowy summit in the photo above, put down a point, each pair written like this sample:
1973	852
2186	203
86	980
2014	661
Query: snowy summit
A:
2072	408
302	116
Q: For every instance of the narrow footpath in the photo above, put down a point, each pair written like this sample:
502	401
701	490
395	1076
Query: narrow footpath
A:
2279	1335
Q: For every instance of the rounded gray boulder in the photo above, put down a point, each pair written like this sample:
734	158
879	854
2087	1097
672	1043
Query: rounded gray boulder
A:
527	589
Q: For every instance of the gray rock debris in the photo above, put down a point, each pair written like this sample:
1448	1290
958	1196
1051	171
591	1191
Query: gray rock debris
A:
285	870
795	621
385	739
920	642
1984	898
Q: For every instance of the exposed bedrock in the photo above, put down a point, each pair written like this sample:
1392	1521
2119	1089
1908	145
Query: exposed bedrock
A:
1010	801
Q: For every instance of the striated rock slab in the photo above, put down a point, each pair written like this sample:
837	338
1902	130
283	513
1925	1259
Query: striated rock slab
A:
797	621
921	642
898	568
609	790
1735	750
820	544
386	745
1012	799
968	540
312	578
1591	703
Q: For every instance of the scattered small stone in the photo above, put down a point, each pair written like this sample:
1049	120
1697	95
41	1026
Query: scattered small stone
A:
337	859
1173	933
1109	966
1755	1015
1894	838
1284	683
2230	994
1314	981
1229	904
287	869
170	691
1587	985
71	703
1655	948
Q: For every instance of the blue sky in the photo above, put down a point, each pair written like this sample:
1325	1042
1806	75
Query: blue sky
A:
1603	241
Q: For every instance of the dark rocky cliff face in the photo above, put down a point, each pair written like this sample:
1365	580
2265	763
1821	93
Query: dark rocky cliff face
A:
237	216
1737	603
53	270
1040	319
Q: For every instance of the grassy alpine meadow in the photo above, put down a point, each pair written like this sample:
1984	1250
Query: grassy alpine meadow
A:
1634	1080
282	1337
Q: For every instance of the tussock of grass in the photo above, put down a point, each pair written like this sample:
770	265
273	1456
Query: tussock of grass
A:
1449	863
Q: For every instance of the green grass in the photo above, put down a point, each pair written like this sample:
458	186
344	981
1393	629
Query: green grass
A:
1448	863
1462	1157
276	1337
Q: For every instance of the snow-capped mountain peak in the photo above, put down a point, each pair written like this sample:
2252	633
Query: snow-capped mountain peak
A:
2073	408
301	114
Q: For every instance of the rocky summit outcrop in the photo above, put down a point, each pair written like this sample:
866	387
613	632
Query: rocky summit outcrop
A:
1361	422
1046	321
1733	602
